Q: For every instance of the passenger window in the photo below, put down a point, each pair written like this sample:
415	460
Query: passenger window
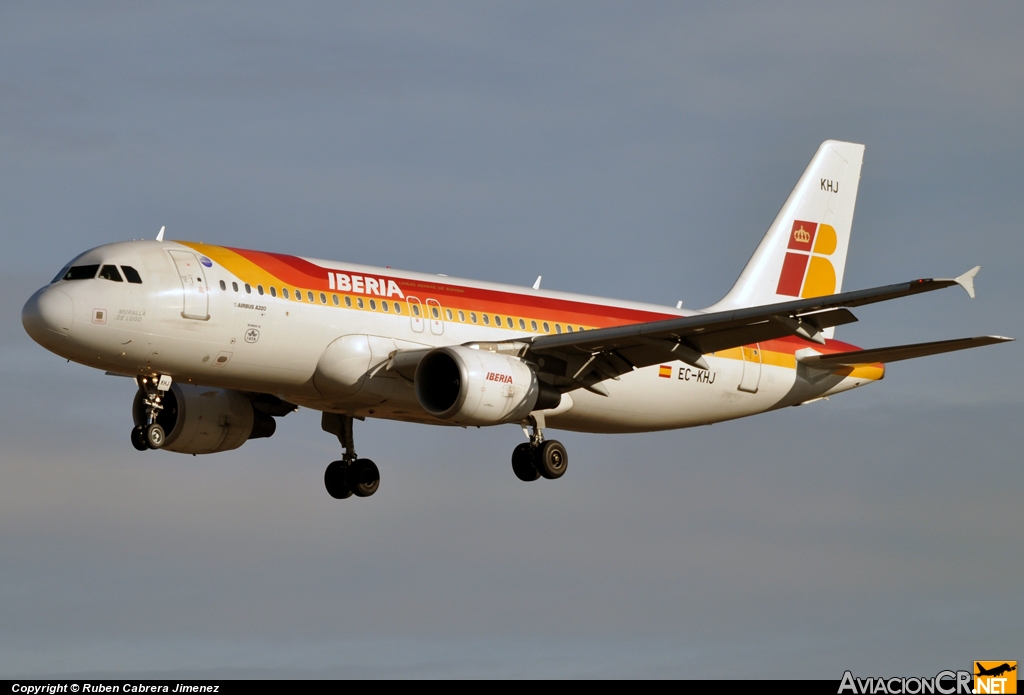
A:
522	325
109	272
284	292
81	272
533	326
508	321
435	312
348	302
223	286
569	328
546	329
309	296
448	313
334	298
131	275
497	321
359	302
248	290
298	296
273	291
323	298
259	288
384	306
472	316
462	317
373	305
558	328
415	309
487	319
234	286
398	308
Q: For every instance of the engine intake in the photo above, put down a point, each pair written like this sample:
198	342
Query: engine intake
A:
467	386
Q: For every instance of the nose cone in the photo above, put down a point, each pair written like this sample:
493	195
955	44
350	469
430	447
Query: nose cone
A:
47	316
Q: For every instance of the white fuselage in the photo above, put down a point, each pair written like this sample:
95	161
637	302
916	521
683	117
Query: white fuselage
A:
190	328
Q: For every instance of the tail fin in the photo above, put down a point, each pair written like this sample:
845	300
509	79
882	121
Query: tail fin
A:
804	252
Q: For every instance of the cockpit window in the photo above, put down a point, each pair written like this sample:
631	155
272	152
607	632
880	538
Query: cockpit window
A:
131	275
60	275
109	272
81	272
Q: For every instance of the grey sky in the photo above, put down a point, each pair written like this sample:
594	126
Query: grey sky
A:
628	150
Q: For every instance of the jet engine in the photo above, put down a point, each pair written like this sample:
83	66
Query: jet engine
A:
205	420
467	386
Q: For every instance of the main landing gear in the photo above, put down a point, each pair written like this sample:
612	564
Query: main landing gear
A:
151	435
351	475
538	458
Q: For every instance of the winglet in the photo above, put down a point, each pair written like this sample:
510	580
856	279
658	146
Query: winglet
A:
967	280
536	285
160	235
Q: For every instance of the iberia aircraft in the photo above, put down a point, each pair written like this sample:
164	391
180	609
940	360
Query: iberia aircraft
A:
221	341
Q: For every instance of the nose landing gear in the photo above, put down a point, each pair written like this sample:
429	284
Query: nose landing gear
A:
351	475
151	435
538	458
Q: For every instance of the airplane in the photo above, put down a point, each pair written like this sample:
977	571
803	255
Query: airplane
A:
222	341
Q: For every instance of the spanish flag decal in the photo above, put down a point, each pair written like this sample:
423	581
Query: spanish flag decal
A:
665	371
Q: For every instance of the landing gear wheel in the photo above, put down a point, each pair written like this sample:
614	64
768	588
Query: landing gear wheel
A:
139	438
522	463
552	459
363	477
336	480
155	436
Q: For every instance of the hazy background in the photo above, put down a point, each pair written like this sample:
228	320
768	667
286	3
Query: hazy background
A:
634	150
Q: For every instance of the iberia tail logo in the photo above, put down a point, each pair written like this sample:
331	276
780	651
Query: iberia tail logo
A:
807	270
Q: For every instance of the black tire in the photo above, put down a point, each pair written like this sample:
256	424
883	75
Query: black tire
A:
522	463
363	477
336	480
552	459
139	438
155	437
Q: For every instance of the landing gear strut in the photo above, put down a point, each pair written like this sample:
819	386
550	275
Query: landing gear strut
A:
151	435
351	475
537	458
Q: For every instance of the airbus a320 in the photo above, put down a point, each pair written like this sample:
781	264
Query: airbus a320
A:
223	341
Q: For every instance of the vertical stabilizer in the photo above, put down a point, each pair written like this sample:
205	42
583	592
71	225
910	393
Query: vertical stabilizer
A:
804	252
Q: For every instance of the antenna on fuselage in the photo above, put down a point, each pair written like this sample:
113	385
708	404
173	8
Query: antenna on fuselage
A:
536	285
679	304
160	234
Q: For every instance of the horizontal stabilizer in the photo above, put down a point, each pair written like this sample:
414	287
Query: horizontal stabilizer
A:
896	353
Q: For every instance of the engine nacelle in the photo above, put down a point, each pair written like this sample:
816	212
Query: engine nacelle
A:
205	420
476	387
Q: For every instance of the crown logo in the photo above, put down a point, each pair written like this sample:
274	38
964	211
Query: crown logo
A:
802	235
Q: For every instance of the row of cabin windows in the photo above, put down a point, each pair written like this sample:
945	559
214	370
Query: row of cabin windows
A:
435	312
107	272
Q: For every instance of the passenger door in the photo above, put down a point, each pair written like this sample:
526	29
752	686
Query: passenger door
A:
196	302
751	368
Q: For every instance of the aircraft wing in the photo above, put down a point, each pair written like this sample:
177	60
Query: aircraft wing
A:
896	352
586	358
